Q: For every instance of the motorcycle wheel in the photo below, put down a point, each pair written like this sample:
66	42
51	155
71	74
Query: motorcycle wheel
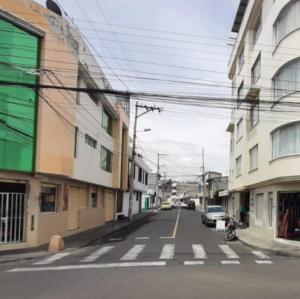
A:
230	235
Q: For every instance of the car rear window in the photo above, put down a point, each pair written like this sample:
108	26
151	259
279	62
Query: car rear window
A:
215	210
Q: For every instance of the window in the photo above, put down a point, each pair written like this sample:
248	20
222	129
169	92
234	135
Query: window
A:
140	174
240	94
231	144
94	199
76	142
254	114
238	165
259	209
256	70
90	141
257	29
239	129
241	59
106	159
286	140
270	204
146	179
254	158
107	122
287	21
48	199
287	80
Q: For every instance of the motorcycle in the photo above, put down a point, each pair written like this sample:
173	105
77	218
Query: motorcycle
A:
230	233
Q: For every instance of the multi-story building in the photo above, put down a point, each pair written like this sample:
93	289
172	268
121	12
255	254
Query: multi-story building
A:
140	189
63	153
264	67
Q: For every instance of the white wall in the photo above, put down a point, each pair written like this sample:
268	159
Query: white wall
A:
272	59
87	163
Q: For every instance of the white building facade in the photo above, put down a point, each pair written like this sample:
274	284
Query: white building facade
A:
141	198
264	180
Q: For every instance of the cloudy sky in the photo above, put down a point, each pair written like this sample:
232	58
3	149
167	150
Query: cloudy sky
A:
177	47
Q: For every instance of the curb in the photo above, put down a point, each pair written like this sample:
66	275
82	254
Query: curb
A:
270	250
90	242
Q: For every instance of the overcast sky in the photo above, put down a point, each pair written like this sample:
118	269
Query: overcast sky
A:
198	54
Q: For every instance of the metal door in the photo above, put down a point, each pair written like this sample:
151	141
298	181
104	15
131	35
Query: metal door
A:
12	208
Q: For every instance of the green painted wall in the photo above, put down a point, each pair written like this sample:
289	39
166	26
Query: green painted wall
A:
18	54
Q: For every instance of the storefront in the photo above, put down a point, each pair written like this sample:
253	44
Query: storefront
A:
289	215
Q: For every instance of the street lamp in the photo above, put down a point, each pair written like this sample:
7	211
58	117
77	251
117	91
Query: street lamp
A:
145	130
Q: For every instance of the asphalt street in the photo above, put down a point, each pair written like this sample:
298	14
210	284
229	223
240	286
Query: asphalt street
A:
171	255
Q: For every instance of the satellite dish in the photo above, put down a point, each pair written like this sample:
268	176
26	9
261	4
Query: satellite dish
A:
51	5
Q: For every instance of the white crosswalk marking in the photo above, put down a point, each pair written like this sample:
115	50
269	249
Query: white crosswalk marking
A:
260	254
228	252
230	262
95	255
193	263
263	262
167	252
52	258
199	252
133	253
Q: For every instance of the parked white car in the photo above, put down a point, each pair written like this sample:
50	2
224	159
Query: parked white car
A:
212	214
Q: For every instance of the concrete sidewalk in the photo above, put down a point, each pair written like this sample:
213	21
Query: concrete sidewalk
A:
278	246
79	240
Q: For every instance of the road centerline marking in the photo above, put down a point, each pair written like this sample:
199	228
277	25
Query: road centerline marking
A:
176	225
142	238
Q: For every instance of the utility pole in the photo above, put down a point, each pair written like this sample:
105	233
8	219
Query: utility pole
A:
164	186
131	177
157	177
203	179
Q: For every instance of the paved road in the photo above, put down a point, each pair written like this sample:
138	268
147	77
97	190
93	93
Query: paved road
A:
172	255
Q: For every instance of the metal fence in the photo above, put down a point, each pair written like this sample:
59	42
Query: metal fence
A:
12	208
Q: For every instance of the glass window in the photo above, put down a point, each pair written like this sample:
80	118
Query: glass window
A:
254	158
94	199
140	175
239	129
287	21
106	159
287	80
256	70
259	209
254	114
215	210
48	199
90	141
107	122
238	165
257	29
286	140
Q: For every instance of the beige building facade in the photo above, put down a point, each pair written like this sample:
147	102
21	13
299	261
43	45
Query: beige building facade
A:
264	67
79	142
